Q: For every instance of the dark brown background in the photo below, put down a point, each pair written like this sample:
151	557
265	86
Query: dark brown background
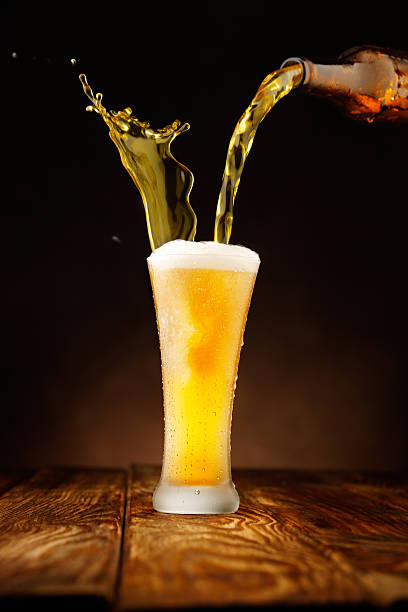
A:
322	199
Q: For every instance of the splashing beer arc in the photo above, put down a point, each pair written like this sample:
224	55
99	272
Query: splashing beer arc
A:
163	182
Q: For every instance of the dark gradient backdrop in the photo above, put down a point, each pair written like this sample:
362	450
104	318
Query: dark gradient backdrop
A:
322	199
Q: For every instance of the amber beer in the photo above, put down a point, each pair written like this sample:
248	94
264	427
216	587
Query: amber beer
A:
202	292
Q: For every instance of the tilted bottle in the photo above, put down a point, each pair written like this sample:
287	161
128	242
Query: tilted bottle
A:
368	83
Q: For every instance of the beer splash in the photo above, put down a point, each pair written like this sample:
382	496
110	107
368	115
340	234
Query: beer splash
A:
274	87
164	183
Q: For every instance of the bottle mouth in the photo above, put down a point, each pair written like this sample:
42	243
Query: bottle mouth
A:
293	61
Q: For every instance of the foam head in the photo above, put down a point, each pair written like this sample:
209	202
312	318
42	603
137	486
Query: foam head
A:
207	255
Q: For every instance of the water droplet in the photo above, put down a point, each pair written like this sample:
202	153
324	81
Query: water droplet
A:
197	491
214	413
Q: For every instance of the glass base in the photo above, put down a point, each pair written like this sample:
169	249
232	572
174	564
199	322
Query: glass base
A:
201	499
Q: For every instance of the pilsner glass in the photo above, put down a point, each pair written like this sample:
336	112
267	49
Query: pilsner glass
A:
202	292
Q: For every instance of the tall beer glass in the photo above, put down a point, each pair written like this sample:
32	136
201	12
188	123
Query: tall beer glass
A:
202	292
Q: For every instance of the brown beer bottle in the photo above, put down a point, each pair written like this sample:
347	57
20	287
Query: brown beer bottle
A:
367	83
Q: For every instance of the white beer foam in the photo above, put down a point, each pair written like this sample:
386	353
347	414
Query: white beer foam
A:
211	255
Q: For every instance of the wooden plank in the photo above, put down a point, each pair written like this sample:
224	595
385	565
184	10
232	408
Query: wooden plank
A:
12	478
299	538
60	534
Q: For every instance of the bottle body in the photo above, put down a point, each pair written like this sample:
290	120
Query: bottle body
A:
367	83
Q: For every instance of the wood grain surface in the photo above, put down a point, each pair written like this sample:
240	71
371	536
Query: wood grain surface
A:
299	538
60	533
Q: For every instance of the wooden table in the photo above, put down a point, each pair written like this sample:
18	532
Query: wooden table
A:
75	538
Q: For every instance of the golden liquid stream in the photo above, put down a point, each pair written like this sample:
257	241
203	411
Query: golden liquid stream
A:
164	183
274	87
